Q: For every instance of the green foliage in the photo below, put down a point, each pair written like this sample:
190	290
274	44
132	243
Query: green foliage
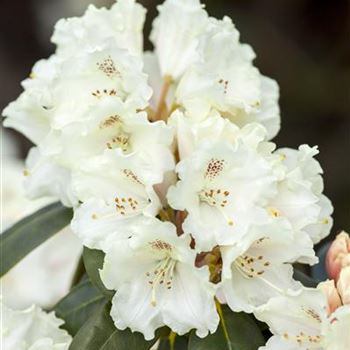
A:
23	237
93	261
76	307
178	343
99	333
304	279
237	331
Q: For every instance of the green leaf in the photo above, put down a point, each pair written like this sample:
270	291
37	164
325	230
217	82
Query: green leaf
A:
239	333
99	333
304	279
20	239
76	308
93	261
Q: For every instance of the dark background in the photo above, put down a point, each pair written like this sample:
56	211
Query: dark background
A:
303	44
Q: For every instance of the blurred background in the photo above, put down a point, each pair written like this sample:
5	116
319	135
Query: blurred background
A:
303	44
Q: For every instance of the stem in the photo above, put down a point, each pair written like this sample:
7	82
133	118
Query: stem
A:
162	100
172	337
223	323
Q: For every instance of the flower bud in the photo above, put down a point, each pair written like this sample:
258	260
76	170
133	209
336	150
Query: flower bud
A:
330	291
343	285
338	255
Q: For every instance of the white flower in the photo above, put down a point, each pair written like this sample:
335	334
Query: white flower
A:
157	282
12	190
32	329
112	125
116	190
228	82
45	178
225	188
338	335
268	112
300	197
89	76
123	23
301	322
257	268
190	134
30	114
175	35
80	88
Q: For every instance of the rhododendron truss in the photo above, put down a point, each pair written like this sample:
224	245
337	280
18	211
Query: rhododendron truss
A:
190	215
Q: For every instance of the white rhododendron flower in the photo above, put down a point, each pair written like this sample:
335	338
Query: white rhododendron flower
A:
157	282
175	35
190	134
114	193
30	114
300	197
256	270
89	76
165	158
45	177
228	83
32	329
225	188
123	22
111	125
301	322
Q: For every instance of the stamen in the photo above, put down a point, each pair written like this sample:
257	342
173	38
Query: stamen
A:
254	267
131	176
217	198
163	272
312	314
110	121
224	83
105	92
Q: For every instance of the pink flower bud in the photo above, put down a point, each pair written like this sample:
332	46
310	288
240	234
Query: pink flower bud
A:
330	291
338	255
343	285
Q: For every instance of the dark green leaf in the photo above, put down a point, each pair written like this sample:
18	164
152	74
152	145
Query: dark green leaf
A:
99	333
95	330
181	343
242	334
79	273
20	239
304	279
79	305
93	261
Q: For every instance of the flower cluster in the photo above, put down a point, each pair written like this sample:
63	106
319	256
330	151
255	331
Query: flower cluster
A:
166	159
